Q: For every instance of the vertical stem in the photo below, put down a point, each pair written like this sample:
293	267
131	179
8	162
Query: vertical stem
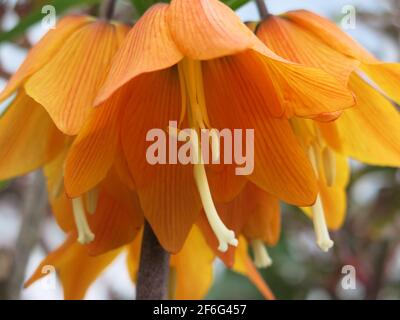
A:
152	282
107	9
33	213
262	9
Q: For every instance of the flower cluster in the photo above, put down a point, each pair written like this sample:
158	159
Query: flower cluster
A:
89	92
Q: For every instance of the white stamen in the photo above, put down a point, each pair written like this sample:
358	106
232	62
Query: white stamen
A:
92	197
261	256
85	235
321	230
224	235
191	80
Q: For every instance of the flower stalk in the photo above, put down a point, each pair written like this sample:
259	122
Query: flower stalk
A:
262	9
107	9
153	274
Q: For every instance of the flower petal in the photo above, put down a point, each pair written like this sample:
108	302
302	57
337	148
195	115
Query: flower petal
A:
185	266
330	33
386	76
294	89
246	213
61	205
118	217
44	51
167	192
265	221
334	198
245	266
370	132
133	256
292	43
76	269
195	256
94	150
72	82
207	29
280	166
28	138
148	47
225	185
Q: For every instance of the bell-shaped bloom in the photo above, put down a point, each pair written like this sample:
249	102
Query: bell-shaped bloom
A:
64	71
333	172
105	218
28	137
369	132
107	221
385	75
191	270
194	62
56	86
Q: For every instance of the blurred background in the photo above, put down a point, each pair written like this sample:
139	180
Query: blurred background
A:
369	240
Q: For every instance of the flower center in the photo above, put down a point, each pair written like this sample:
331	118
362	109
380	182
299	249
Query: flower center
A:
261	256
85	235
194	104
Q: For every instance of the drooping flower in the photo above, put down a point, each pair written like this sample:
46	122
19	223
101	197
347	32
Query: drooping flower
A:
196	63
191	270
28	137
64	71
113	214
369	132
56	85
106	218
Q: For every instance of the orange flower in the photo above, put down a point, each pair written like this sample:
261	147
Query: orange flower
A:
191	270
106	222
66	68
333	172
62	73
369	132
194	61
58	75
28	137
107	217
